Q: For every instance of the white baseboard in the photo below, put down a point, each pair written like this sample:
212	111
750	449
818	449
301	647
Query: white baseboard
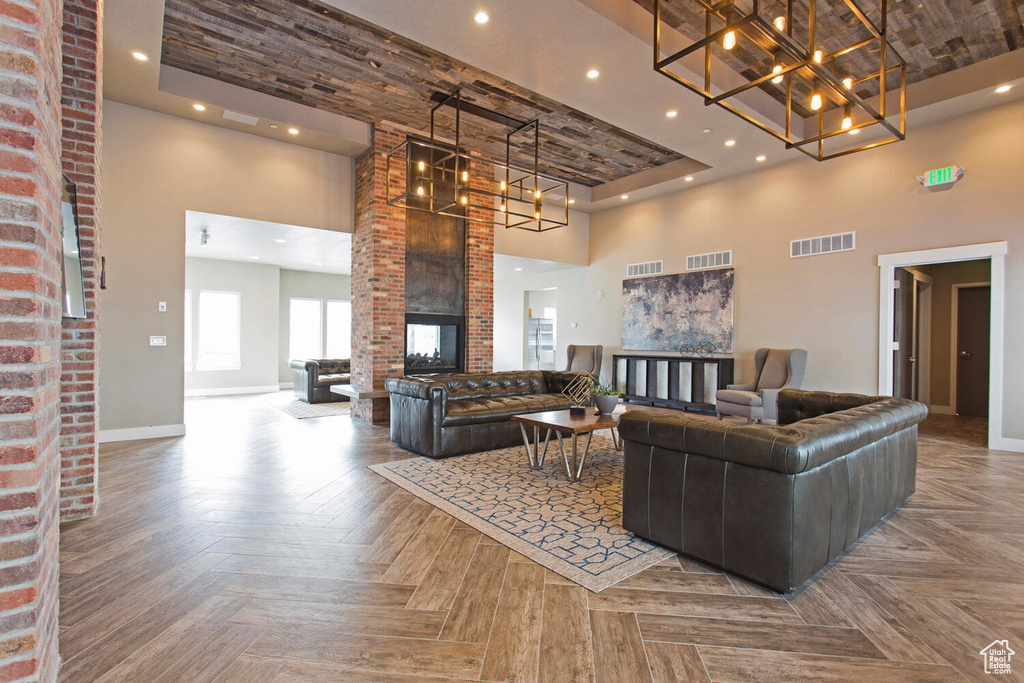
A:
231	391
1003	443
941	410
287	385
136	433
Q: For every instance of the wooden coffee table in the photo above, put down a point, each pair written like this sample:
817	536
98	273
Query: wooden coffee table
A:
562	423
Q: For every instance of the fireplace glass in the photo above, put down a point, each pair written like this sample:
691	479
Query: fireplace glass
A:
431	347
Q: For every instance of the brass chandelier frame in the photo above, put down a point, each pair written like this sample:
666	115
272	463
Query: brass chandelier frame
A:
809	59
438	175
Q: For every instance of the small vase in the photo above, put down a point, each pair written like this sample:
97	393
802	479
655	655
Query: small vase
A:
606	404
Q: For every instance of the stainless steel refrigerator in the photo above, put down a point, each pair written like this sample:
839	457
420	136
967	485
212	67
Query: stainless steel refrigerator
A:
540	351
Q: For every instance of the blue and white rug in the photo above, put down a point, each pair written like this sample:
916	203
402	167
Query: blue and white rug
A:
572	528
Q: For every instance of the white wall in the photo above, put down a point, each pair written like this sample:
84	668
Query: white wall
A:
258	285
155	167
307	285
826	304
570	244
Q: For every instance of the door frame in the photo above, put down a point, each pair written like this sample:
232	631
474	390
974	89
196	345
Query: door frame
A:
955	296
996	251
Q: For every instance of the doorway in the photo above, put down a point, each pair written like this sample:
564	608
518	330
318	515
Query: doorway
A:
900	314
541	307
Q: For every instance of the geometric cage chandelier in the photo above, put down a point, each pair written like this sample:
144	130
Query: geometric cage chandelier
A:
444	178
833	76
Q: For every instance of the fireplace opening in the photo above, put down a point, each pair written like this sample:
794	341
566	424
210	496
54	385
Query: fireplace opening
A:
433	343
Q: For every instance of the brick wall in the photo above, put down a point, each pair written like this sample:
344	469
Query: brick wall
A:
82	112
480	279
29	336
378	277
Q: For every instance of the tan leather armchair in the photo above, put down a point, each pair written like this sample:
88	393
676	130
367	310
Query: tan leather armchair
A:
775	370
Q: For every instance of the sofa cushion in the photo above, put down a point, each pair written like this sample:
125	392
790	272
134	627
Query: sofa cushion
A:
500	408
775	371
492	384
328	380
739	398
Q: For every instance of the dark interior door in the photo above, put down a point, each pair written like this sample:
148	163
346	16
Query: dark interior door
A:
972	352
903	323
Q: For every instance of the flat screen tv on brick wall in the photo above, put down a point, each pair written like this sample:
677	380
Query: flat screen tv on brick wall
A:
666	312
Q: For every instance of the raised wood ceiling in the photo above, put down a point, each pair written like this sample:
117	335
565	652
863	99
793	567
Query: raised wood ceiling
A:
313	54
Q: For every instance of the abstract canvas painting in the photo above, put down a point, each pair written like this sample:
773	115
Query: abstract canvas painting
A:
665	312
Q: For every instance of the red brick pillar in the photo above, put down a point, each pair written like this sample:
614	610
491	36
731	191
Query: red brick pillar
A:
82	104
30	312
480	280
378	277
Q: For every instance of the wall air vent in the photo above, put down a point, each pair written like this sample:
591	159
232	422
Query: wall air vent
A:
826	244
644	269
240	118
719	259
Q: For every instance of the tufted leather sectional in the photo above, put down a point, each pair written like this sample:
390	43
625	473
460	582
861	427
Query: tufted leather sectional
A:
313	379
774	504
454	414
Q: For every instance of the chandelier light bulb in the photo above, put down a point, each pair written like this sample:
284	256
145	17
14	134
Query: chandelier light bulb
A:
780	23
465	176
847	119
776	69
848	83
419	190
816	101
464	199
729	40
422	166
537	215
818	56
503	207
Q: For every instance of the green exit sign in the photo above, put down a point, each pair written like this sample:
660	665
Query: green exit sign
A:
941	176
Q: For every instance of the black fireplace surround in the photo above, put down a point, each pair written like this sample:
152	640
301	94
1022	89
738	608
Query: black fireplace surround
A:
434	343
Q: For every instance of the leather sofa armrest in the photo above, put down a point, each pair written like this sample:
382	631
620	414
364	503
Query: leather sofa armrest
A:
415	387
307	365
558	380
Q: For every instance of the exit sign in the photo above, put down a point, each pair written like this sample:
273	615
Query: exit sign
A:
941	176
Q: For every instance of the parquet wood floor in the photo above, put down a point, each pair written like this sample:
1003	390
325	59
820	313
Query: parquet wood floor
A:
259	548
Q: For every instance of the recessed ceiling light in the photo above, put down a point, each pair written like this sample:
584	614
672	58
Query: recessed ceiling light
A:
572	201
593	73
255	258
625	196
517	269
706	131
761	157
293	131
280	241
481	17
273	125
317	264
199	107
1004	88
854	131
671	113
730	143
688	178
141	56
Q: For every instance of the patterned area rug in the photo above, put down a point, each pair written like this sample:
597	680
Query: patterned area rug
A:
572	528
286	402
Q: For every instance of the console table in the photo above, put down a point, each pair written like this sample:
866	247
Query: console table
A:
679	382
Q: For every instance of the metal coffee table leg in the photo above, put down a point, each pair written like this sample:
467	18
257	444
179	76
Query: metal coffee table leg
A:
586	451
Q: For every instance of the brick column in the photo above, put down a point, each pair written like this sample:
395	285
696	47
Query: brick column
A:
480	281
378	277
30	312
82	104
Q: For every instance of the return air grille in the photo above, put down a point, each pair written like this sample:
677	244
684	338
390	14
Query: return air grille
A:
718	259
642	269
826	244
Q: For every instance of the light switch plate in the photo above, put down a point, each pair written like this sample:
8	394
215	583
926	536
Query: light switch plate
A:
162	307
158	341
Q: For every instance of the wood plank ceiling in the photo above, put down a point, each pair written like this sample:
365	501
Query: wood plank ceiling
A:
933	36
316	55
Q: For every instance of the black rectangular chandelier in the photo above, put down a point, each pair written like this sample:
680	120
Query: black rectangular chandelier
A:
447	179
835	74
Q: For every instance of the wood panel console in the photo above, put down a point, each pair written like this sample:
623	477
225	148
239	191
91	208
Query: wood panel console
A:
679	382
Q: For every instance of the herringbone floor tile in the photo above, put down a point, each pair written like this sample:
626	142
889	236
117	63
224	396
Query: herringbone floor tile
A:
260	549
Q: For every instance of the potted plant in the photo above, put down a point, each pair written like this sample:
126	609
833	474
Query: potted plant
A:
605	398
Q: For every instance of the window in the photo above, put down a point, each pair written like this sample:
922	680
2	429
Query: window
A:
339	329
219	335
189	362
305	329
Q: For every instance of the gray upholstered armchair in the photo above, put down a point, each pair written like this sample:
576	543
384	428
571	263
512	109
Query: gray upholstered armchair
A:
774	370
585	359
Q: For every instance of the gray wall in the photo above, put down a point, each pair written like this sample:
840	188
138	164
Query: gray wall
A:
155	167
258	284
298	283
826	304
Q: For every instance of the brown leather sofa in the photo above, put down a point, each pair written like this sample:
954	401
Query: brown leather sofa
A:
313	379
774	504
445	415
